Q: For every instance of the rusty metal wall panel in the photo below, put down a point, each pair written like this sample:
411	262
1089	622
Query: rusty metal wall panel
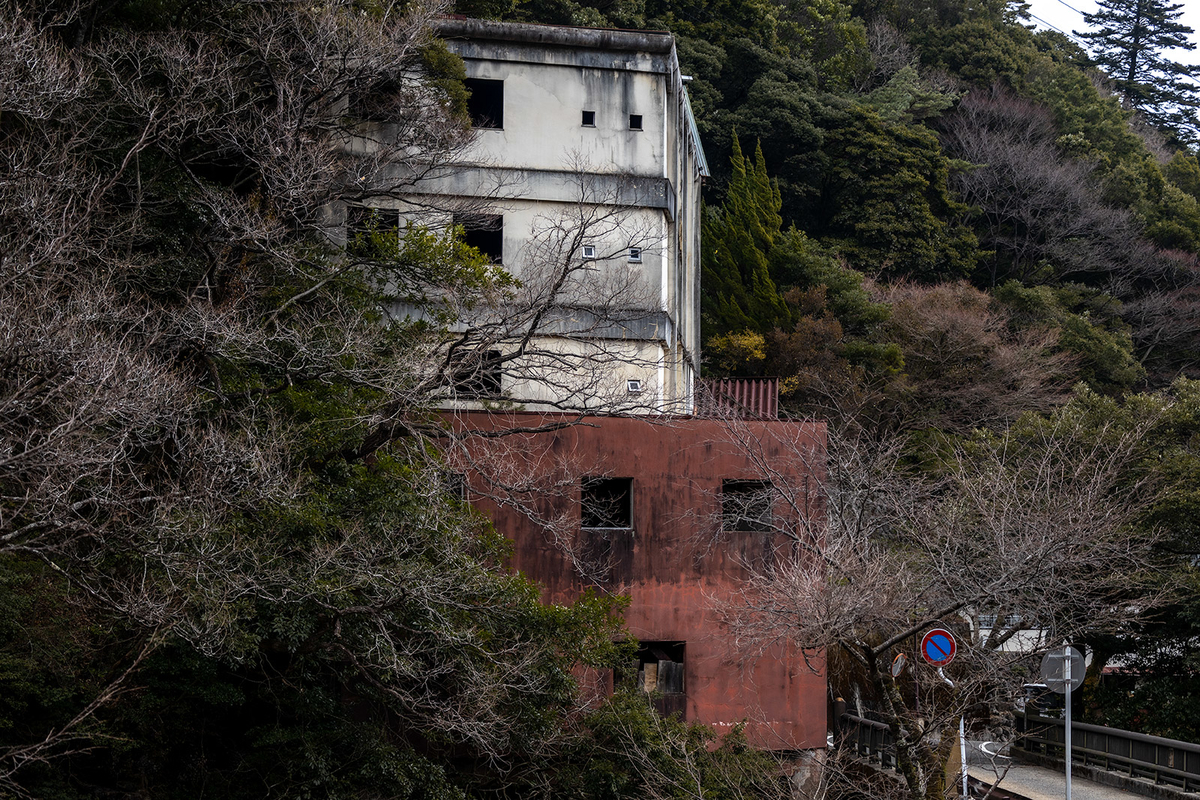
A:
675	559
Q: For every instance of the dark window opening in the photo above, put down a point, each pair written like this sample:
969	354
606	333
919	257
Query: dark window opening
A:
635	254
606	503
484	232
746	505
589	119
660	667
635	122
486	103
454	484
476	374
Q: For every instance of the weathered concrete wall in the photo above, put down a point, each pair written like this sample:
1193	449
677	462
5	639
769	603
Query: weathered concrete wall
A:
543	110
674	563
544	162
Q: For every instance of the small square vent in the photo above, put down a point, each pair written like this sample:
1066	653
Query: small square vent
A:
633	385
589	252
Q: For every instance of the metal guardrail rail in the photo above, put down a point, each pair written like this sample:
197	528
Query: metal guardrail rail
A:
1168	762
1138	755
870	739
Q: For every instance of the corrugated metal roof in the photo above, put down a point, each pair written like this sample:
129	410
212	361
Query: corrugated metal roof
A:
741	398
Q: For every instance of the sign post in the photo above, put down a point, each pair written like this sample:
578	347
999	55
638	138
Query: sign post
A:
938	647
1062	671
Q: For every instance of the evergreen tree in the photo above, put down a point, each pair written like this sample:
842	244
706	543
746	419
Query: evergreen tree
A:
738	293
1129	41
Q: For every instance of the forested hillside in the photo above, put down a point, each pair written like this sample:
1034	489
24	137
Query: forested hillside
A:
229	565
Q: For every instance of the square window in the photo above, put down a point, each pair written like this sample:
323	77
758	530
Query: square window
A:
633	385
661	667
635	254
635	122
476	374
378	102
454	484
746	505
606	503
589	252
589	119
484	232
485	106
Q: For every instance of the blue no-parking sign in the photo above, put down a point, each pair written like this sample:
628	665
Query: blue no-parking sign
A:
938	647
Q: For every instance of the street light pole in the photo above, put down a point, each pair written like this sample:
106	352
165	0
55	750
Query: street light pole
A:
1067	678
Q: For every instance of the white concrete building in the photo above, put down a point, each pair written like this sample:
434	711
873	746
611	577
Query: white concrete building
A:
583	180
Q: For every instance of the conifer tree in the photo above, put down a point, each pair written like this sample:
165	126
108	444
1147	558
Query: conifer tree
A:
739	293
1130	41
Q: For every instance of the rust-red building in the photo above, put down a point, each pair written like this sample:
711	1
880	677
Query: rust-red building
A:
676	513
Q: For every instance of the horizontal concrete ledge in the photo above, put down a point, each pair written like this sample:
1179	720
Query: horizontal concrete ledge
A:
500	184
560	35
629	325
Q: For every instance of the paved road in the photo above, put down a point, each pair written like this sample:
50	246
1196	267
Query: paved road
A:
1040	783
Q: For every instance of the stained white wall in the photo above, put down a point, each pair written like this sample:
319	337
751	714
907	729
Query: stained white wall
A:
545	168
543	115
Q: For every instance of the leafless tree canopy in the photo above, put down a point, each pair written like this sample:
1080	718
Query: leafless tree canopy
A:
173	294
1041	212
1032	527
964	365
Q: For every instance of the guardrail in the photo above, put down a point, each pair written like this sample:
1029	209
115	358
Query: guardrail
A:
1138	755
870	739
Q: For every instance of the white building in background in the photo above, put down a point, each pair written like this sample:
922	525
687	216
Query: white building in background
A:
585	149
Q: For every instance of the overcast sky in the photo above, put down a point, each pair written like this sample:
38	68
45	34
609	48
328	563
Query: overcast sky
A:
1067	16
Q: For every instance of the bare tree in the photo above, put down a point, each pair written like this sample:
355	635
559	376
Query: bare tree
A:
964	365
172	291
1030	528
1041	213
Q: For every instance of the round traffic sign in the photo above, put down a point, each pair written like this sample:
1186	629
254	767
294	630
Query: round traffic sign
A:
898	664
938	647
1063	667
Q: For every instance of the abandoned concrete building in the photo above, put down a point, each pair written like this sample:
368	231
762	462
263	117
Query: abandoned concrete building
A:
585	171
585	166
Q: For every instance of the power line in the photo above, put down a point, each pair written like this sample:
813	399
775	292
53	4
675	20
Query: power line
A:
1070	36
1073	8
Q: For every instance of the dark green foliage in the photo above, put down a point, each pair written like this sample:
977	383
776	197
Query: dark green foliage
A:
797	261
632	752
1129	40
1090	329
981	52
738	292
1158	689
300	701
1183	170
905	99
885	204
